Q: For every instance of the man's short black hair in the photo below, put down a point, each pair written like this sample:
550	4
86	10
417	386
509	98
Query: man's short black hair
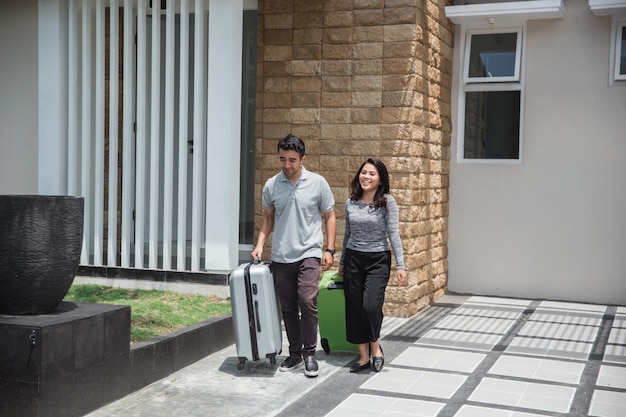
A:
292	143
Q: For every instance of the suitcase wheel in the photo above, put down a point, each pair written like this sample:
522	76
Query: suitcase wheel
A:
324	343
273	360
241	363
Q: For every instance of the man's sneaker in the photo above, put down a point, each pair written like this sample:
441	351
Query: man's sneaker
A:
310	366
292	362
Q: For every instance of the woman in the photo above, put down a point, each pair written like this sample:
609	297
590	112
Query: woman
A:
371	224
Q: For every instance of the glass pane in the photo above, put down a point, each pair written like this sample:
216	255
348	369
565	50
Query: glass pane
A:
493	55
622	52
492	125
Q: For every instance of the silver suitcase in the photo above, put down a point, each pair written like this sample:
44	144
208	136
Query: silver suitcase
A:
256	313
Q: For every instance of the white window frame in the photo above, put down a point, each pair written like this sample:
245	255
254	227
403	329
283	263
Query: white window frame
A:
473	84
617	26
466	60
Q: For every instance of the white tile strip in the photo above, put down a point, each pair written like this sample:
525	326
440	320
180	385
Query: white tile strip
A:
608	404
523	394
373	405
540	369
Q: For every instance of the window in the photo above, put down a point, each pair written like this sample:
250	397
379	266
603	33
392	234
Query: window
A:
491	96
620	51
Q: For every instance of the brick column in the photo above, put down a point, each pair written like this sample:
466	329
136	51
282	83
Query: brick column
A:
363	78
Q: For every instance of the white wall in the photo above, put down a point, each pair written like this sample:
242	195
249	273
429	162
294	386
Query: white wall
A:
18	97
555	226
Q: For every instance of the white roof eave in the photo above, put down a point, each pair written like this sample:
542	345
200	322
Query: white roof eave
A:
607	7
507	11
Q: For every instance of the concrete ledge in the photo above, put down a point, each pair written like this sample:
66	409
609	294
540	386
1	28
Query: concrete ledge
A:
63	364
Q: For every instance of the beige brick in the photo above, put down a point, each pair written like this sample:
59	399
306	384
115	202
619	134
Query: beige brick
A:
306	67
337	67
338	18
278	21
367	83
277	37
365	115
366	99
337	35
398	99
276	68
306	99
369	66
369	17
307	20
333	99
337	51
363	148
306	84
369	4
306	6
407	49
337	5
365	131
336	83
335	131
307	52
277	53
335	115
277	84
406	32
368	34
301	116
276	115
401	15
368	50
277	100
307	36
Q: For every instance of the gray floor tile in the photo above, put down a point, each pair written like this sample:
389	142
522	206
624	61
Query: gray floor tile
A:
474	411
373	405
617	336
560	305
612	377
441	359
537	396
549	348
476	324
540	369
423	383
608	404
615	353
465	340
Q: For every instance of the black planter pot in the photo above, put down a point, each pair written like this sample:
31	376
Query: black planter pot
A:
40	244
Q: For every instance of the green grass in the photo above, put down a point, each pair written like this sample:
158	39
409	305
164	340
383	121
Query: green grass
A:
153	312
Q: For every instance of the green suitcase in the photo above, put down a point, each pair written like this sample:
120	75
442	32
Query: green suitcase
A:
331	307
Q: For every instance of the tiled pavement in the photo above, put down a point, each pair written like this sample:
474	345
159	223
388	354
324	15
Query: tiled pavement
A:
494	357
461	357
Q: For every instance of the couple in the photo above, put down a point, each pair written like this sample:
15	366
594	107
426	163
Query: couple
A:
292	202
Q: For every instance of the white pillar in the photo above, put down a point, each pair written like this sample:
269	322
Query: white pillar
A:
223	134
53	70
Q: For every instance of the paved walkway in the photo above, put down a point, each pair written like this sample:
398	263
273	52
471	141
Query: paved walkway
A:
461	357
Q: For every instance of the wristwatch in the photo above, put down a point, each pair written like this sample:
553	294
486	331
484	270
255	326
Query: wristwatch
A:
331	251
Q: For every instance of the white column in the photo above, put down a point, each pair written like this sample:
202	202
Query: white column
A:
53	69
223	134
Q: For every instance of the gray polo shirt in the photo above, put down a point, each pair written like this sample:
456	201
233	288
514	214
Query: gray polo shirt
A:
298	212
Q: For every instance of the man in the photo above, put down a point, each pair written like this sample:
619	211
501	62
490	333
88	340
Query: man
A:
293	203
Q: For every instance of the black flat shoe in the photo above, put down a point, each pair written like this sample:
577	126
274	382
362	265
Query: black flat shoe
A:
378	361
357	367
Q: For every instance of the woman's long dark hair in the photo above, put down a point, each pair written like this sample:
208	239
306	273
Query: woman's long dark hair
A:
356	192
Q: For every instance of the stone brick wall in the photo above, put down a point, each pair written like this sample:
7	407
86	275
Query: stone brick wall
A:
358	78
